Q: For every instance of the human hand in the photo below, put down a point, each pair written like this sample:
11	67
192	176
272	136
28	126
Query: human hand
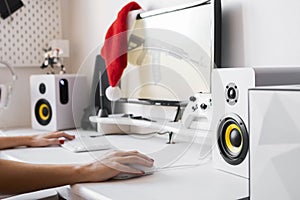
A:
47	139
114	163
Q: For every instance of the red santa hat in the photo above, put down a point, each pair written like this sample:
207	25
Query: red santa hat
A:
114	50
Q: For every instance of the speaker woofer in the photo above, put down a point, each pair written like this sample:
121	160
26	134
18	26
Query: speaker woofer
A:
43	112
233	139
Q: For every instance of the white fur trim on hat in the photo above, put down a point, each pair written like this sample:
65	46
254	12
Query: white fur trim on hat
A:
113	93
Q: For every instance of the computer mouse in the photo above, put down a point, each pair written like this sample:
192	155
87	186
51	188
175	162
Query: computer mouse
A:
147	170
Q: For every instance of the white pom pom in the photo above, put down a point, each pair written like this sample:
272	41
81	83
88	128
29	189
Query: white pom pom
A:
113	93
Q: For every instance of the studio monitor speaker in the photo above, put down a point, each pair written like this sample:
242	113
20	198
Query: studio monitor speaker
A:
230	116
57	101
274	142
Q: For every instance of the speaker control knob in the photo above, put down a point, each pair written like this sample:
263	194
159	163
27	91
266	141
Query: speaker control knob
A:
203	106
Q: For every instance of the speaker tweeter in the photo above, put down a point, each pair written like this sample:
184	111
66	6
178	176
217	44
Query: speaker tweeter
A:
231	94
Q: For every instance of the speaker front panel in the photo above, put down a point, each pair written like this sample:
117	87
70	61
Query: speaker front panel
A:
43	102
231	139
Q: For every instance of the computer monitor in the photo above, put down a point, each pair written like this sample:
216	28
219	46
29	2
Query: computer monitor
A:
172	52
97	98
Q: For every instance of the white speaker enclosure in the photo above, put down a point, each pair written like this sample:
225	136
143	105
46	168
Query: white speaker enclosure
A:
274	142
66	111
243	79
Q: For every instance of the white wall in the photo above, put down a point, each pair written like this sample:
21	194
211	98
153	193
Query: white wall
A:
272	30
261	33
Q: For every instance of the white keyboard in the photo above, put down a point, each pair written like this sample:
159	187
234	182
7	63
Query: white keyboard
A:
86	143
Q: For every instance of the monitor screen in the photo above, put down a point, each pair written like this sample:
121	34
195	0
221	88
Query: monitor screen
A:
172	52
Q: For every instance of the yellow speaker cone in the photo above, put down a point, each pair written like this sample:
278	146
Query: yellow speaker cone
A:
44	112
232	132
233	139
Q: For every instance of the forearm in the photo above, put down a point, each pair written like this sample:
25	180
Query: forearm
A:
19	177
9	142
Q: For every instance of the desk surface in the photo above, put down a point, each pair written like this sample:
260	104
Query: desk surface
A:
185	170
202	182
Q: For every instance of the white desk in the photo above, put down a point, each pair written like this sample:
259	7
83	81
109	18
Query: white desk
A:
197	182
190	183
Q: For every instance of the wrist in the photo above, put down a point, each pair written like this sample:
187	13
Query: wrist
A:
27	141
83	173
78	173
95	172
